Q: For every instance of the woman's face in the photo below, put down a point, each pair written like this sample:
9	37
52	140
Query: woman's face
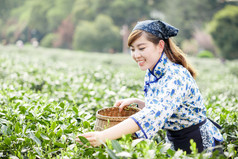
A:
146	53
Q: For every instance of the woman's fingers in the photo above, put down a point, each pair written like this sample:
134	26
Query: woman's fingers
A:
118	103
86	135
122	103
91	137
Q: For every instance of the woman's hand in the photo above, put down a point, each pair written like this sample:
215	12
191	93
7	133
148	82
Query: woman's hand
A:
99	137
95	138
126	102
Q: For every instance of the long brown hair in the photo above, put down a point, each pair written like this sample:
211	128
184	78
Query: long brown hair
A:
172	51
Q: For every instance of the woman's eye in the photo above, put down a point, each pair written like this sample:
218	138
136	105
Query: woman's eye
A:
141	48
132	50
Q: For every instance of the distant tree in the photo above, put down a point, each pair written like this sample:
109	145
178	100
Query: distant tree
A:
85	36
224	30
33	14
128	12
189	15
36	15
6	7
101	35
60	10
65	34
83	10
7	23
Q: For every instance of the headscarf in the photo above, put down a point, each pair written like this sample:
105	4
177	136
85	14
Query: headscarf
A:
158	28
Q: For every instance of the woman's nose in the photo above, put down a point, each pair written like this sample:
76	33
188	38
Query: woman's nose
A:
137	54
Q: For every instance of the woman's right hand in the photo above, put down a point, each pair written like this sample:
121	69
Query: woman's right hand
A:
126	102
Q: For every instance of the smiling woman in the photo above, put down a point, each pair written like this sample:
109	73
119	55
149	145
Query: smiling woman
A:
146	53
172	98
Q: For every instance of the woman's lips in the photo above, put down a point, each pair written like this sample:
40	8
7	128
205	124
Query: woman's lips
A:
140	63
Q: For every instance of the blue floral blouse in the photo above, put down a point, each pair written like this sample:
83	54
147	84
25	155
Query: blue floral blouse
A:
172	102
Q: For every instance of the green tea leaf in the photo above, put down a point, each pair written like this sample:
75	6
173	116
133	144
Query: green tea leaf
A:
83	139
111	154
4	121
22	109
59	133
62	105
7	141
34	138
86	124
44	137
136	141
75	109
116	145
17	128
60	144
53	125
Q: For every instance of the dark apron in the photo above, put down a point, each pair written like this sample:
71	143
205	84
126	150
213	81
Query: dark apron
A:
181	139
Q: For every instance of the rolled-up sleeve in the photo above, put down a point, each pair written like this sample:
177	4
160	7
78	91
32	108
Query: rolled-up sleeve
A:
159	107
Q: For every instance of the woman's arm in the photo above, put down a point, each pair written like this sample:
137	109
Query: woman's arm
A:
128	126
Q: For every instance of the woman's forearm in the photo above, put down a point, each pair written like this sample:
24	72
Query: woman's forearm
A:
128	126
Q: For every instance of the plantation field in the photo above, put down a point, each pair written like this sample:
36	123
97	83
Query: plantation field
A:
49	96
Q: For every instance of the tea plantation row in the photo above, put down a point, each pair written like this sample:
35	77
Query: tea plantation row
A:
49	96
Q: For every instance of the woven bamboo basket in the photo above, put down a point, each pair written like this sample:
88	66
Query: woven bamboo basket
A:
108	117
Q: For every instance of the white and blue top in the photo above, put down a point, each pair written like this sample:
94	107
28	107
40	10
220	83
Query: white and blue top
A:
172	102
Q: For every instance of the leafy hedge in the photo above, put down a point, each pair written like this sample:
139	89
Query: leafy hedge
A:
49	96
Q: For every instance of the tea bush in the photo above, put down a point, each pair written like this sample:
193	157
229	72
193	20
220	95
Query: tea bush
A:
205	54
50	96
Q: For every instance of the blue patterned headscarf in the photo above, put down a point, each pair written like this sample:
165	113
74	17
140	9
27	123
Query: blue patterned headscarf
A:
158	28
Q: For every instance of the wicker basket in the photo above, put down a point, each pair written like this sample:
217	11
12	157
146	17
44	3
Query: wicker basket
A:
108	117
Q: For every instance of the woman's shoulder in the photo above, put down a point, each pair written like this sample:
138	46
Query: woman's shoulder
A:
177	71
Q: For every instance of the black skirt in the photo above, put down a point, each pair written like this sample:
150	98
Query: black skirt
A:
181	139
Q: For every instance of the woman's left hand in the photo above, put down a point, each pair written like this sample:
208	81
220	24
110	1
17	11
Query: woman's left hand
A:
95	138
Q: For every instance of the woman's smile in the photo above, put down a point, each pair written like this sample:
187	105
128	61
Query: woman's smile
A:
141	62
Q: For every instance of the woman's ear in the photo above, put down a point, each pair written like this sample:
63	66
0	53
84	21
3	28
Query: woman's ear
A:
161	46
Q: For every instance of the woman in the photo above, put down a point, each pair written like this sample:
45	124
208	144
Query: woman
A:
172	99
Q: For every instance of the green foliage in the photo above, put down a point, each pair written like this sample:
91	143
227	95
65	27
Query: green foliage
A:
101	35
48	40
7	6
46	100
61	9
224	30
83	10
34	14
205	54
132	7
46	17
192	14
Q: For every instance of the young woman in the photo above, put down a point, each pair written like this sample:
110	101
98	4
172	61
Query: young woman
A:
172	99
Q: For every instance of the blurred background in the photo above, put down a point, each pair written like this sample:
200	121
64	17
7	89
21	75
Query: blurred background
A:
207	27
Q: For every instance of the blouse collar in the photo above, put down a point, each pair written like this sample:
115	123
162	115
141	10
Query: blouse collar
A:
157	72
160	67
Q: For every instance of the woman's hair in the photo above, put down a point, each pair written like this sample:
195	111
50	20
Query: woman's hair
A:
173	52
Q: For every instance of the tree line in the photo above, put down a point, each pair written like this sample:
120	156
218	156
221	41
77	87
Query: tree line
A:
96	25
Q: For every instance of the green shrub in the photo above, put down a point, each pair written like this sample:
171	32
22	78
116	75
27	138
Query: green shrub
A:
99	36
224	30
205	54
48	40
